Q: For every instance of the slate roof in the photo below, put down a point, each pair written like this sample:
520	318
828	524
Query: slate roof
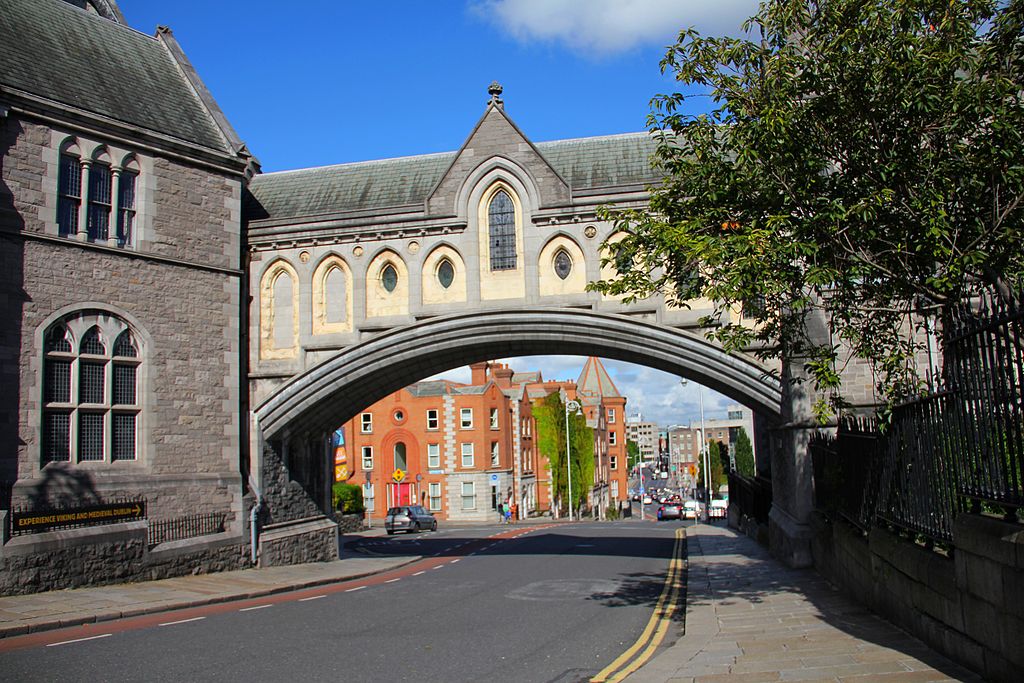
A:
585	163
595	382
60	52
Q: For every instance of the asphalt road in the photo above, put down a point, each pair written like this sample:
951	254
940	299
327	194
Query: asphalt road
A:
553	604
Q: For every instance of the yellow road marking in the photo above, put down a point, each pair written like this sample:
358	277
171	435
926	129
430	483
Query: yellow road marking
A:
657	626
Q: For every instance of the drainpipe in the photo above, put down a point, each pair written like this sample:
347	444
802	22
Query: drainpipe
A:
254	535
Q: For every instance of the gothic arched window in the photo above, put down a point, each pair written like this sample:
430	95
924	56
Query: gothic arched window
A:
91	401
501	221
445	273
563	264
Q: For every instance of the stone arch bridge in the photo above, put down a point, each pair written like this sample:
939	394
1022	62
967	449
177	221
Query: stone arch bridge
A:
366	277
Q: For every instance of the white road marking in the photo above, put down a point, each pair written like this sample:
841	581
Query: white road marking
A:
418	573
249	609
78	640
454	561
315	597
392	580
357	588
181	621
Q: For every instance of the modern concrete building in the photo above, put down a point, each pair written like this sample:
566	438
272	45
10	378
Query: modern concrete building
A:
645	435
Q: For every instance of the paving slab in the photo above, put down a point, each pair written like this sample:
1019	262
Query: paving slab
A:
750	618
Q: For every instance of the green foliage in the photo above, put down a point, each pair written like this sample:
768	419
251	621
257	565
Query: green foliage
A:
347	498
550	415
718	469
612	513
632	453
744	454
860	168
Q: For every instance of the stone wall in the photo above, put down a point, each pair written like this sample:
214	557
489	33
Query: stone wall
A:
969	606
298	542
114	553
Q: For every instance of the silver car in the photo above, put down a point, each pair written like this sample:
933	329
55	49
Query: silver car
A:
409	518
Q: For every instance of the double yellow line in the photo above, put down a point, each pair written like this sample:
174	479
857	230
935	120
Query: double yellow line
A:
657	627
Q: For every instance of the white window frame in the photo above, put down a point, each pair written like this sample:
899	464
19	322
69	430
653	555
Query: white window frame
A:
471	497
367	457
465	413
366	423
495	454
614	462
433	420
494	418
612	440
611	416
434	495
468	451
433	456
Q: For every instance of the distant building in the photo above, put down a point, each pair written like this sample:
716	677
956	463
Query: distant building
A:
645	435
461	450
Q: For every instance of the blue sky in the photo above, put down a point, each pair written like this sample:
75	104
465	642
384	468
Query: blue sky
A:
320	82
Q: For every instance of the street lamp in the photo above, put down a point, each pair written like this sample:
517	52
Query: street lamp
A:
704	455
574	407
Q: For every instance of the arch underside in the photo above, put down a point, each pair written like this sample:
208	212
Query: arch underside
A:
327	395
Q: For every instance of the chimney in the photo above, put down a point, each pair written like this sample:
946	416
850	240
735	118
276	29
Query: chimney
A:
479	374
502	375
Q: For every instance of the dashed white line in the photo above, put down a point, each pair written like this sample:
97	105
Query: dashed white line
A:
455	560
78	640
181	621
392	580
440	566
314	597
357	588
249	609
418	573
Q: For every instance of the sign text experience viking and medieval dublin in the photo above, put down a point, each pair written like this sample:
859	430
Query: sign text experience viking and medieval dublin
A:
104	513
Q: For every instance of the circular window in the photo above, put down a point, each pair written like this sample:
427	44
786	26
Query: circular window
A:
446	273
563	264
389	277
399	416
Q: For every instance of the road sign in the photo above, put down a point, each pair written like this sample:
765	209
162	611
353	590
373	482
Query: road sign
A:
92	514
398	476
494	478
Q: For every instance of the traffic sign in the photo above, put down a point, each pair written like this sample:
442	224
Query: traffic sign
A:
494	478
398	476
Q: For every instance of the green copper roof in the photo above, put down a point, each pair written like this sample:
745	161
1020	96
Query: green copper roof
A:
585	163
59	52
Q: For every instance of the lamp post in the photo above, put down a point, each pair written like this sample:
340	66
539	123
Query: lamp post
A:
704	455
574	407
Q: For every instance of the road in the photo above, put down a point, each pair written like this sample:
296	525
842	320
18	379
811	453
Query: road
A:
547	603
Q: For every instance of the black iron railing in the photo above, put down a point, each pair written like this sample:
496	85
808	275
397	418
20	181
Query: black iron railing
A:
847	471
180	528
752	496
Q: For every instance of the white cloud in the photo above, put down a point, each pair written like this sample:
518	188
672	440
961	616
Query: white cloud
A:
601	27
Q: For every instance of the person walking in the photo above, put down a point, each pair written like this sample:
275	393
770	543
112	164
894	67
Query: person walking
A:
501	513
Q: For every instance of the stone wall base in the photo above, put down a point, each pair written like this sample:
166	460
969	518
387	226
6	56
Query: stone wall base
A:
314	539
113	553
789	540
969	607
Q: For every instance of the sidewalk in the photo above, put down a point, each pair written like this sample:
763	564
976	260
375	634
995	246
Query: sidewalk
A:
750	618
21	614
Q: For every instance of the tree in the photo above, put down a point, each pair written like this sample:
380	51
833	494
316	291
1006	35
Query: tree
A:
632	453
744	454
718	469
550	415
860	168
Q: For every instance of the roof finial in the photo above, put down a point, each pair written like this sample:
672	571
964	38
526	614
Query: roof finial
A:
494	90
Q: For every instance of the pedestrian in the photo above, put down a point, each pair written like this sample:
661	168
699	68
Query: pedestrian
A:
515	512
501	512
508	513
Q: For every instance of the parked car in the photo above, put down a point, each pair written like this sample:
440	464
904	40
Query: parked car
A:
669	512
719	509
691	510
409	518
648	500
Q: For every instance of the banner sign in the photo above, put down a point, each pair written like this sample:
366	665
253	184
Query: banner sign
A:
341	469
104	513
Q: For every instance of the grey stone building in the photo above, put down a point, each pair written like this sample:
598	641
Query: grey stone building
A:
121	288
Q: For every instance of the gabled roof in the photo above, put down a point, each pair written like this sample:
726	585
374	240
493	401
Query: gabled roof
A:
585	163
594	381
61	53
